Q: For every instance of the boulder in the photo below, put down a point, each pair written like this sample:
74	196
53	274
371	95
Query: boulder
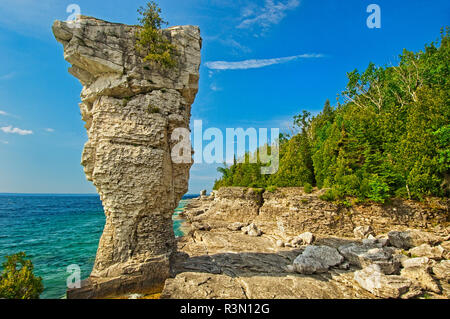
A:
442	270
363	232
426	250
316	259
373	280
415	262
307	265
421	277
411	238
363	256
203	192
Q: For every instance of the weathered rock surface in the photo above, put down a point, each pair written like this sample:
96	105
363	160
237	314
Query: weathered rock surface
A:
411	238
228	264
225	262
374	280
426	250
442	270
420	276
363	255
317	259
363	232
131	109
289	211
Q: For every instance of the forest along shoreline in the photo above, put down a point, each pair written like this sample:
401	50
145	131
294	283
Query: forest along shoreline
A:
290	243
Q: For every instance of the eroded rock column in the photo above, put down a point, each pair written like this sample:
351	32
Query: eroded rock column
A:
130	109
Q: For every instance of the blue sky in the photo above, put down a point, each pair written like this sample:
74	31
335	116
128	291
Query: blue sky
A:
286	56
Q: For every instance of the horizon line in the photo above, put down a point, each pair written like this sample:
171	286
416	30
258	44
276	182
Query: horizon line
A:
12	193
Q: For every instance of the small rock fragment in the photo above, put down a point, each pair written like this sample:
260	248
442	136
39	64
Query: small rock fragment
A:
363	231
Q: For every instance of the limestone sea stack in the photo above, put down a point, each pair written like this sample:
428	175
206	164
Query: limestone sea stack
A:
131	108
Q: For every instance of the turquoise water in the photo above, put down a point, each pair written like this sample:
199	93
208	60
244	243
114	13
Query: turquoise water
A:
56	231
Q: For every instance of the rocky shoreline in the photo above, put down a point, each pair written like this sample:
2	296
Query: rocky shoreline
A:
245	243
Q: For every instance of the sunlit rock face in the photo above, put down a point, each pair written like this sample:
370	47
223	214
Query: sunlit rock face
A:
131	109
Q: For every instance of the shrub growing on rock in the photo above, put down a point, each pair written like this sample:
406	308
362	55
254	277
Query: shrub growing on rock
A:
151	41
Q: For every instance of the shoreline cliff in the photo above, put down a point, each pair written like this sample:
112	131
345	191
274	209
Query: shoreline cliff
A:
246	243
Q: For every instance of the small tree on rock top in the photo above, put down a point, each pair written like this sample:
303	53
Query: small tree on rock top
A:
151	41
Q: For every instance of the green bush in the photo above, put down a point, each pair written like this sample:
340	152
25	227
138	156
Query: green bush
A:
330	195
17	280
307	187
151	41
379	190
271	189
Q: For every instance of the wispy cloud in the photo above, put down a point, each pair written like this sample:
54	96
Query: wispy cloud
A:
7	76
256	63
15	130
50	130
3	113
214	87
4	142
270	14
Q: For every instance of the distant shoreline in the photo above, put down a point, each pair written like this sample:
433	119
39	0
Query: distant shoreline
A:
72	194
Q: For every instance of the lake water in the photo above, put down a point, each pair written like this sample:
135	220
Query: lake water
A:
56	231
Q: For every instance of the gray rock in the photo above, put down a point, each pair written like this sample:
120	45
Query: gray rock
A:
317	259
373	280
411	238
370	241
363	256
383	242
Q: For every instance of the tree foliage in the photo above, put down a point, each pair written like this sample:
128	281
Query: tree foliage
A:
150	39
390	136
17	280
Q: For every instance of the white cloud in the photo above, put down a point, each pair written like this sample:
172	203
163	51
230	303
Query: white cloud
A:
214	87
3	113
50	130
7	76
15	130
256	63
272	13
